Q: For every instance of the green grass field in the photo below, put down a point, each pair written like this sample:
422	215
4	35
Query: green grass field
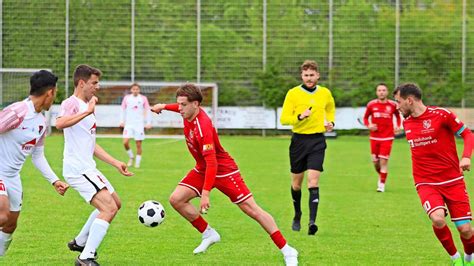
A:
357	226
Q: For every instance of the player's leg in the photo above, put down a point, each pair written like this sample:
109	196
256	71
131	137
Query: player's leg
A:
11	197
105	203
138	159
190	188
315	168
250	207
434	205
296	181
374	151
7	231
126	144
298	157
384	155
5	237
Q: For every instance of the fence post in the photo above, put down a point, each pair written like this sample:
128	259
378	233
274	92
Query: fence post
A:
397	42
66	52
132	42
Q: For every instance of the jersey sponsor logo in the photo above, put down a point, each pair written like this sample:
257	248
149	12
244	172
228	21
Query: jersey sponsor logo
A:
208	147
28	146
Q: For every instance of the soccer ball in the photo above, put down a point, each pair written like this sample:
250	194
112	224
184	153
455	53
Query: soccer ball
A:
151	213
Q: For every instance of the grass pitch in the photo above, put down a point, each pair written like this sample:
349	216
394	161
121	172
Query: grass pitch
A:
356	224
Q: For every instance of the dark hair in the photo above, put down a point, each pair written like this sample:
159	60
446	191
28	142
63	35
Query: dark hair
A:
85	72
191	91
41	82
309	64
408	89
133	85
381	84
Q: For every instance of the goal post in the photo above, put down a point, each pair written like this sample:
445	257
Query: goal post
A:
15	84
112	93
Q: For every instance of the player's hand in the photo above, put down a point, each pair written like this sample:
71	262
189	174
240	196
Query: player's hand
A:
122	168
91	104
329	126
372	127
157	108
397	130
148	126
465	164
122	124
205	203
306	113
60	187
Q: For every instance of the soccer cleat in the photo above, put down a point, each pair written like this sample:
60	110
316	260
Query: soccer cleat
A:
380	187
130	162
291	258
137	165
296	225
458	262
86	262
312	229
468	263
73	246
209	237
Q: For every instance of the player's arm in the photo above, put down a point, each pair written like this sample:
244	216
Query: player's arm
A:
102	155
40	162
12	116
465	163
209	179
69	117
330	113
157	108
123	114
146	112
398	119
288	116
367	115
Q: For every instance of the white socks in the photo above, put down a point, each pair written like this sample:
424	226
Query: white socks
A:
130	153
82	237
138	160
455	256
468	257
5	240
96	234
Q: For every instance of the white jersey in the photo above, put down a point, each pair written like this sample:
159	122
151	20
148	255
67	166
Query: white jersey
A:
79	139
22	130
135	109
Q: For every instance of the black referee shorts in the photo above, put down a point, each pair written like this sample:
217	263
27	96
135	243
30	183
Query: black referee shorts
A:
307	152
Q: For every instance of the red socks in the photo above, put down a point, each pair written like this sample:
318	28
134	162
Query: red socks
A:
468	245
383	177
200	224
446	239
278	239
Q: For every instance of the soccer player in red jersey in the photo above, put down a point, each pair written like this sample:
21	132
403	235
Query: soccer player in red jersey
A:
378	118
215	168
437	171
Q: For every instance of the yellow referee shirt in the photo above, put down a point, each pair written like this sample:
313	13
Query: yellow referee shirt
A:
298	100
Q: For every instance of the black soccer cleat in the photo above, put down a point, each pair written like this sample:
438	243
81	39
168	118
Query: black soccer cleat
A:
86	262
312	229
296	225
73	246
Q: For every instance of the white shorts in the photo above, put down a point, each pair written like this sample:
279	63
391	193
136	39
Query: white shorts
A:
89	183
11	187
137	133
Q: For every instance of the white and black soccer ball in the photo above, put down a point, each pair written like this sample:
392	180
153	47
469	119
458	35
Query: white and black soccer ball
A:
151	213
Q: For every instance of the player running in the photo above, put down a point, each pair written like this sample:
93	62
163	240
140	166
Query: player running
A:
214	168
378	118
135	111
79	168
437	171
22	133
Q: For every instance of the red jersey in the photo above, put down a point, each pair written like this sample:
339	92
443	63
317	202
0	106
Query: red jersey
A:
381	114
202	139
433	149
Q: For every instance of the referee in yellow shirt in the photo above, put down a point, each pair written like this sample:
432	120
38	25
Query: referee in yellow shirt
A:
310	109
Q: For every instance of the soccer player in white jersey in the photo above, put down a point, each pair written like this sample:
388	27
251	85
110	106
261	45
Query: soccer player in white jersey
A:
79	168
135	112
22	133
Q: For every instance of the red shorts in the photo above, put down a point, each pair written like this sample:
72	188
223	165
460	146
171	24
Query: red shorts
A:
232	185
380	149
453	196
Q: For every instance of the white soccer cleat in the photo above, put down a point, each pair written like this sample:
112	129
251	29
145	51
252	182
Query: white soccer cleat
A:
209	237
137	165
380	187
291	257
130	162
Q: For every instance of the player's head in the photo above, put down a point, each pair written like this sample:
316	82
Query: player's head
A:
135	89
381	90
86	78
309	73
189	98
407	95
43	85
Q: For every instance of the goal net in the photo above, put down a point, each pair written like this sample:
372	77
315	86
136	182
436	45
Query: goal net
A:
15	84
112	93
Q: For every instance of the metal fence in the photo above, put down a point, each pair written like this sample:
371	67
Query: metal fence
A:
356	42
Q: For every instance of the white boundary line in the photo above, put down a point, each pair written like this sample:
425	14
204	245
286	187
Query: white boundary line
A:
116	136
